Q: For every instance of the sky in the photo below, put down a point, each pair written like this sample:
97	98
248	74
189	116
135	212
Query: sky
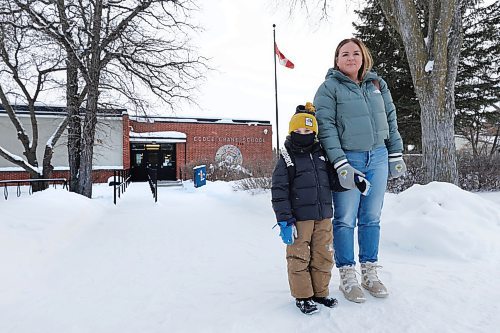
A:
79	265
238	38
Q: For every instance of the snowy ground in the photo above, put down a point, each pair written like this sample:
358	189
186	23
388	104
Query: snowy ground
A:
206	260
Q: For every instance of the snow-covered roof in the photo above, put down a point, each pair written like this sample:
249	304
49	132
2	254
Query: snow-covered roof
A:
51	110
158	137
160	119
61	110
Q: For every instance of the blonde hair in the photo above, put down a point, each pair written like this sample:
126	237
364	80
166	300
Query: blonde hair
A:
365	53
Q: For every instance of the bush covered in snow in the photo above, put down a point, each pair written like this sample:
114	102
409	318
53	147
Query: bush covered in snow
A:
476	173
253	183
229	172
479	173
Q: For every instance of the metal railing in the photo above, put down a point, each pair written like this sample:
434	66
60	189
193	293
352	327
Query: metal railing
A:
121	180
153	182
30	182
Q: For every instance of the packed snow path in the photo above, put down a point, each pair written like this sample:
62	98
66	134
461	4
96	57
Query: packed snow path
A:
206	260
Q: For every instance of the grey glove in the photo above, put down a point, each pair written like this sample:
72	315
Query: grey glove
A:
346	174
397	166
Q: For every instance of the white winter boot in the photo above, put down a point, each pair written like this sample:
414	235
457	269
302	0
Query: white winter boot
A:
370	280
349	285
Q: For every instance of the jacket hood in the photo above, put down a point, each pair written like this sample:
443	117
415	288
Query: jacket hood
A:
335	73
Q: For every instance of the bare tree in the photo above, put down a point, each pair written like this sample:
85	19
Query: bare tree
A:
481	129
116	44
495	145
432	34
24	76
433	54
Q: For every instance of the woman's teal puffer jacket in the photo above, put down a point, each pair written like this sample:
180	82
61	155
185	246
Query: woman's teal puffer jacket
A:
355	117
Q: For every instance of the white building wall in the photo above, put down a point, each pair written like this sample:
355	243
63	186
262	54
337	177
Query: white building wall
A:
108	151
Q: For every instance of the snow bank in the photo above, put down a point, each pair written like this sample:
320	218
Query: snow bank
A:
206	260
35	228
441	220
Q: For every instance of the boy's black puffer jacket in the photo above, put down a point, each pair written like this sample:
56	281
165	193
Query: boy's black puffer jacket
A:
309	196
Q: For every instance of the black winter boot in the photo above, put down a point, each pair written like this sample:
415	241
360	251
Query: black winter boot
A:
306	305
326	301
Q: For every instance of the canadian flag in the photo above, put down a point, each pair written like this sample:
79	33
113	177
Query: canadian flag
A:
283	60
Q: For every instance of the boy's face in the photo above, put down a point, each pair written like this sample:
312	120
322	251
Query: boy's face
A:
303	130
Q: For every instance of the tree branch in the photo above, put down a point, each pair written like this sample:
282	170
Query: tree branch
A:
18	161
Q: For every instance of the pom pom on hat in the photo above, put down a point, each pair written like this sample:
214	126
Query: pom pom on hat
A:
309	108
304	117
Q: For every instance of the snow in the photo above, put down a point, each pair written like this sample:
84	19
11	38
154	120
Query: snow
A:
164	134
12	156
158	137
207	260
51	141
224	121
429	66
63	168
199	120
18	159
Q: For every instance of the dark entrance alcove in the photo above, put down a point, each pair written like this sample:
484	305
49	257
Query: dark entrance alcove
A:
159	156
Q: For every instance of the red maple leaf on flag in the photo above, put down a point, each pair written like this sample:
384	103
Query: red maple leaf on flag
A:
282	59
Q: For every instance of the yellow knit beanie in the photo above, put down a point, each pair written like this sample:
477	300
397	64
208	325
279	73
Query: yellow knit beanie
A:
304	117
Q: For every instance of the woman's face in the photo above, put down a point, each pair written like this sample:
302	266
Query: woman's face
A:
350	59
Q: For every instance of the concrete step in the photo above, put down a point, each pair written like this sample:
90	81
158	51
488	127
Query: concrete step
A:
168	183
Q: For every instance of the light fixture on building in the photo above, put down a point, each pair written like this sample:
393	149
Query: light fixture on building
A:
152	147
265	130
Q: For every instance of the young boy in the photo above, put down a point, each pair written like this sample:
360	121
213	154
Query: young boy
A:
302	201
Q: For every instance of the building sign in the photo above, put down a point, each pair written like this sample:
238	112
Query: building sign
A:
228	139
230	155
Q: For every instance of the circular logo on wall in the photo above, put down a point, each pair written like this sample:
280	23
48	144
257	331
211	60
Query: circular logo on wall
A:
229	154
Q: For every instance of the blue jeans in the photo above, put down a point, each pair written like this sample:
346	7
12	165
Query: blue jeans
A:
351	205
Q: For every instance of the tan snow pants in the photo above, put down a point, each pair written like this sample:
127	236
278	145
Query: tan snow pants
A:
310	259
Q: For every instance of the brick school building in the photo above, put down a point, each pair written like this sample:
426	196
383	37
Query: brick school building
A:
171	145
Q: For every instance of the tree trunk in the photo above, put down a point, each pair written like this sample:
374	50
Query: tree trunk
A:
38	186
438	141
49	150
87	148
74	122
93	79
433	61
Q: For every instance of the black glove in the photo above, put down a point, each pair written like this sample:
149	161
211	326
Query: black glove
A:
363	185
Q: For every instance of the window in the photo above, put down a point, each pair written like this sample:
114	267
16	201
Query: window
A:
138	158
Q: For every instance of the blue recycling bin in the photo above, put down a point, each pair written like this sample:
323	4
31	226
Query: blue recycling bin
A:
200	175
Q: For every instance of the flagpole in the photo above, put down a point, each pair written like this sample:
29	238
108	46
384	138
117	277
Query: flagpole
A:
276	90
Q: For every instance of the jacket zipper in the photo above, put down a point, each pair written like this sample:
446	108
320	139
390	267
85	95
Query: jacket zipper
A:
317	186
370	111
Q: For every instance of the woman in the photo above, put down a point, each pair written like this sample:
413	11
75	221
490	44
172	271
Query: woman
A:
359	132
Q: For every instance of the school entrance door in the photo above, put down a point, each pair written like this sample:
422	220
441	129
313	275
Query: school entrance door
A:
159	156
